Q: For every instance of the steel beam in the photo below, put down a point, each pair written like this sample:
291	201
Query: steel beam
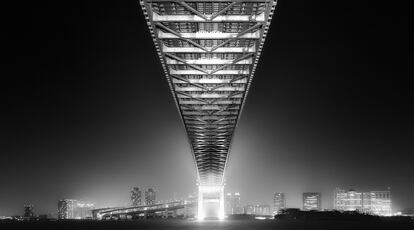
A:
227	50
198	72
209	51
195	18
211	61
209	35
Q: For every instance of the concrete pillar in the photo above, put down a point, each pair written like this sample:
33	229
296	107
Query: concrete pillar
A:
200	209
221	205
216	193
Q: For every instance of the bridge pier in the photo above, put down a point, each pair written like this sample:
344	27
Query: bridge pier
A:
210	78
210	202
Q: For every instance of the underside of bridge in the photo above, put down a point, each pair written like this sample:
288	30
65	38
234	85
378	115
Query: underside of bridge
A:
209	51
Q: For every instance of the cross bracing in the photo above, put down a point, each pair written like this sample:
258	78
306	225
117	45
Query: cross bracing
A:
209	51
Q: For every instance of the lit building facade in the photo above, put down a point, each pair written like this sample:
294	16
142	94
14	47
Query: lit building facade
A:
312	201
351	200
258	210
374	202
73	209
381	203
65	209
83	210
279	201
262	210
150	197
232	204
136	196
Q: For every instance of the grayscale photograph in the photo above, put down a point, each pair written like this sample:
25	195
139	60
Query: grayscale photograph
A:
206	115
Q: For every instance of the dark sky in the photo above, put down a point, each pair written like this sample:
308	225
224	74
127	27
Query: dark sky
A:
86	112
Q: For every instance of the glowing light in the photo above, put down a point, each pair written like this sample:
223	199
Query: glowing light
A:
215	194
374	202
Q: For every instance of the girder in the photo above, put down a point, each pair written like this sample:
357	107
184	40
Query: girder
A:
209	51
195	18
225	50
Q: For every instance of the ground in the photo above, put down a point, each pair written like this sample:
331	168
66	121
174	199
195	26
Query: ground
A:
211	225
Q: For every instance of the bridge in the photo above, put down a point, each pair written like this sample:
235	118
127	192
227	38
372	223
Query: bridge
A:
209	51
133	212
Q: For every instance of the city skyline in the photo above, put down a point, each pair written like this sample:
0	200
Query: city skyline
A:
88	107
234	204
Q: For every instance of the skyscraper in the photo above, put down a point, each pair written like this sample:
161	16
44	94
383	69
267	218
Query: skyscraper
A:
279	201
232	204
136	195
65	209
73	209
150	197
312	201
339	197
28	211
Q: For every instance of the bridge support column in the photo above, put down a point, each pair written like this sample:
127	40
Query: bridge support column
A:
210	202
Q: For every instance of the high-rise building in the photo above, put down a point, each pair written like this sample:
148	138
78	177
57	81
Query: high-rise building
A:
374	202
228	204
279	201
136	195
150	197
73	209
232	204
339	197
28	211
312	201
65	209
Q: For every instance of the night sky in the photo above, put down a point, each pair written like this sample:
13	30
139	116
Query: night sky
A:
86	112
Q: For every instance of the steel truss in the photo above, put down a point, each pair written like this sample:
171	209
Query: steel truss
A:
209	51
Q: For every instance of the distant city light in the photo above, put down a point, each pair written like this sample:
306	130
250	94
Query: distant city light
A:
210	194
232	204
279	202
374	202
259	210
312	201
74	209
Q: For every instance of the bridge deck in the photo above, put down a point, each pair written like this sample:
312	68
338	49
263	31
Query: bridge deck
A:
116	211
209	51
